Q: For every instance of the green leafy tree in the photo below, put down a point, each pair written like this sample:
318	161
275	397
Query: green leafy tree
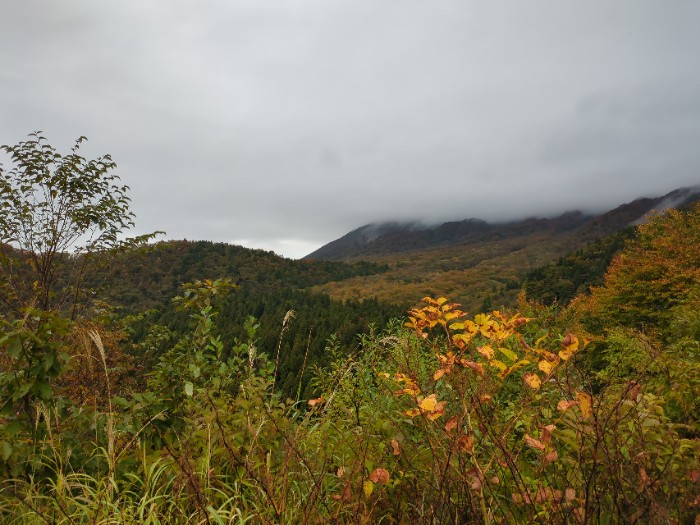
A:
59	216
57	212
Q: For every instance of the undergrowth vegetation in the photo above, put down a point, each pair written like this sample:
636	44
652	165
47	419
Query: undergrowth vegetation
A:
449	419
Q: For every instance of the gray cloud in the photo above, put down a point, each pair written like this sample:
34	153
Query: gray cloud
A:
284	124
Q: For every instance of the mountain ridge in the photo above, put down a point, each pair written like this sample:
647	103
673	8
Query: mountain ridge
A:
377	239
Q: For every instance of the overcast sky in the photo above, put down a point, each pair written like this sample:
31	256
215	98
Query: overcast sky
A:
284	124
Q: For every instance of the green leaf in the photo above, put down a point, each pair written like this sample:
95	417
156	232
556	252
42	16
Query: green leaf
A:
509	354
22	390
43	390
189	389
48	361
5	450
368	488
12	429
14	348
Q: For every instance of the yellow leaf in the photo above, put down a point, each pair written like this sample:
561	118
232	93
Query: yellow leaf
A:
470	327
533	381
499	364
513	368
585	402
428	404
407	391
413	412
546	366
569	347
452	315
462	338
481	319
565	355
441	301
491	329
570	342
438	412
368	488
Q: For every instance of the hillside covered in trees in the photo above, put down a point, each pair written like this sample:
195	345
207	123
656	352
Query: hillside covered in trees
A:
203	408
483	265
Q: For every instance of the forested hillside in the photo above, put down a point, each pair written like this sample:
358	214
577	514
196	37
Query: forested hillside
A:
482	265
151	277
574	273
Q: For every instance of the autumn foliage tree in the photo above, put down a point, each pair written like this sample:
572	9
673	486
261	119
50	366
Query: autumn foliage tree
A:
653	274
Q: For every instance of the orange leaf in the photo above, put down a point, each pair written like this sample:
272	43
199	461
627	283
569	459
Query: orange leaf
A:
534	443
407	391
395	446
451	424
380	476
476	479
466	443
565	405
551	456
570	342
314	402
547	433
474	366
569	495
486	351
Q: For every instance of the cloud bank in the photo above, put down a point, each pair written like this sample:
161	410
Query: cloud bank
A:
284	124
